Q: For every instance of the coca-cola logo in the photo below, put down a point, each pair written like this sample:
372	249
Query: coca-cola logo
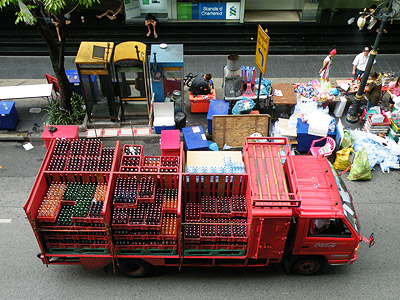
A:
325	245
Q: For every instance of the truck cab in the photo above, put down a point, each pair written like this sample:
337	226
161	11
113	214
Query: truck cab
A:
327	226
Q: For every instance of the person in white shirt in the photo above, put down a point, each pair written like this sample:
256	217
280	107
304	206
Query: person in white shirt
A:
360	63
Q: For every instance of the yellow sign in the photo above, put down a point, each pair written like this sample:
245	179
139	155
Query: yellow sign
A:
262	49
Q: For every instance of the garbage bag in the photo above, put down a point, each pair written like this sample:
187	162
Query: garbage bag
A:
360	168
180	120
342	159
243	107
348	140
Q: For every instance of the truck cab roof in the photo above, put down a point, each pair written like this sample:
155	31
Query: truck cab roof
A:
317	188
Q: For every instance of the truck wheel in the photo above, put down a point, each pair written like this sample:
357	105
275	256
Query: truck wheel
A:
308	265
134	268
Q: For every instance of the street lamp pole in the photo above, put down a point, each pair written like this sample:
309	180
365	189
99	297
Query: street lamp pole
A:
352	116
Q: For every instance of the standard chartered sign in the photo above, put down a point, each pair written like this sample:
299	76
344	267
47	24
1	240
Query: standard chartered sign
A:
208	11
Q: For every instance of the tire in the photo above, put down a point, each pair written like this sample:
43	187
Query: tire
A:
134	268
309	265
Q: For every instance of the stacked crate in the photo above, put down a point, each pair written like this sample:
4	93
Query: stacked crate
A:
73	187
133	161
145	219
216	223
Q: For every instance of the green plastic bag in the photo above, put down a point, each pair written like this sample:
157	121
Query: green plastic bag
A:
360	168
348	140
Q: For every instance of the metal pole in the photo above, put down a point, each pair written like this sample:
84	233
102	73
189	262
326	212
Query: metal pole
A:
352	116
258	92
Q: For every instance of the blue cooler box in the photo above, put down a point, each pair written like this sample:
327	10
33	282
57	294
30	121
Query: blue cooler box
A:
304	139
217	107
8	115
194	138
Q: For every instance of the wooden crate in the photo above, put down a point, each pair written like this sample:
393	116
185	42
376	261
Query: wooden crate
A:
233	129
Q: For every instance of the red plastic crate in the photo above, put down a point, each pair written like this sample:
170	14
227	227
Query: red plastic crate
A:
131	161
153	161
129	169
201	103
168	170
170	161
139	149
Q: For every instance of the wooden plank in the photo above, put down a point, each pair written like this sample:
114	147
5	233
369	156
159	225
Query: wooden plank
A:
233	129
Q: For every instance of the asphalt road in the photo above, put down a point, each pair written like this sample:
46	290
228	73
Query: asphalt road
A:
375	275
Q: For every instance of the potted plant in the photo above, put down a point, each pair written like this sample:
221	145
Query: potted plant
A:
76	116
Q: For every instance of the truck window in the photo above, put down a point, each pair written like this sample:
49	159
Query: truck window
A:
328	227
347	201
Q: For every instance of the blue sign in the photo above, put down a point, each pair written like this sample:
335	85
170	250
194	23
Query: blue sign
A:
211	11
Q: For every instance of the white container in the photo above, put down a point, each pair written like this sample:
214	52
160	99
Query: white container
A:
163	116
340	106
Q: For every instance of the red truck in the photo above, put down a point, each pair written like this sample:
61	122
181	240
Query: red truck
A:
143	211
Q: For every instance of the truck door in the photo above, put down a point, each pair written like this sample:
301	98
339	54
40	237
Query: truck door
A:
271	236
331	238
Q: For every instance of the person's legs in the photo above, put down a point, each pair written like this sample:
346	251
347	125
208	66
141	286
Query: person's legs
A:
358	73
106	13
147	24
369	105
154	23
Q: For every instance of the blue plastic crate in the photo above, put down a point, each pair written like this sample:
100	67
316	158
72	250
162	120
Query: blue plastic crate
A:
217	107
195	139
304	139
8	115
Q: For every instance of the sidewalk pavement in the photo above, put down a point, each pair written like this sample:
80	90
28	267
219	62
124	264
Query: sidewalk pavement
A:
283	69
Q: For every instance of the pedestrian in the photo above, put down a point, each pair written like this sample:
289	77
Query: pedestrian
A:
326	66
360	63
373	91
393	91
151	21
201	85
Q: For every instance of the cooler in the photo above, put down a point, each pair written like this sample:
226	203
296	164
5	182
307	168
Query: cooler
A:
200	103
217	107
194	138
170	142
8	115
304	139
163	116
62	132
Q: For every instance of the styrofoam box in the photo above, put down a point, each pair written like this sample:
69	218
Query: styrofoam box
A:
163	116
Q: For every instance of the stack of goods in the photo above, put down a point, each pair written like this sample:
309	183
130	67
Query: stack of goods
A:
377	123
79	208
216	223
144	225
228	167
394	130
133	161
81	155
317	91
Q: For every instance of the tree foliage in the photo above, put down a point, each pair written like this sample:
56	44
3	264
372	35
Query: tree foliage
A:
45	15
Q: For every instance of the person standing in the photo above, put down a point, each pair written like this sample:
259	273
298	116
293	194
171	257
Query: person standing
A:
326	66
373	91
393	91
360	63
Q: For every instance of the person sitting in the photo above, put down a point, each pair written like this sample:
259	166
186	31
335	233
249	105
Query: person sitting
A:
201	85
373	91
112	15
151	21
393	91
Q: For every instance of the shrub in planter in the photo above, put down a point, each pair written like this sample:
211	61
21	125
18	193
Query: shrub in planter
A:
75	116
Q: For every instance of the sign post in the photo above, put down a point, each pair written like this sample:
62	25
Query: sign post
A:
261	55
